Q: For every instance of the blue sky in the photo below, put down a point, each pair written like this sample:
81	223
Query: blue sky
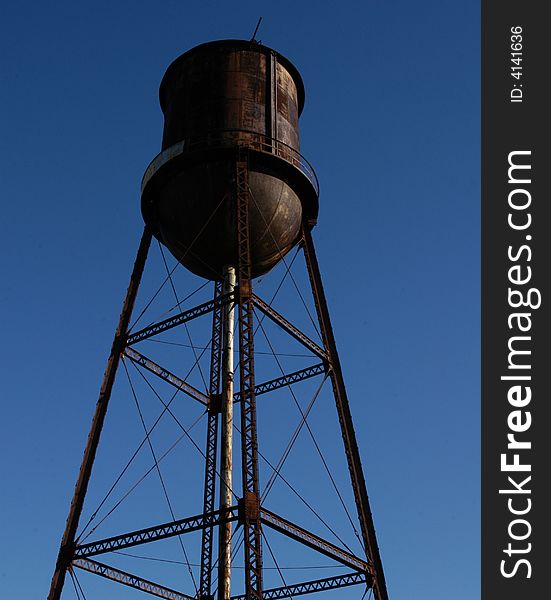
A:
391	124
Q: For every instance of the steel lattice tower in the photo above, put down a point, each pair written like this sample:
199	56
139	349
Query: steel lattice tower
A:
229	196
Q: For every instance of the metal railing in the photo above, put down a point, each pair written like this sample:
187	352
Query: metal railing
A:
228	138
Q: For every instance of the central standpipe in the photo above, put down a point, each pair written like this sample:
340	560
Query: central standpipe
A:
224	543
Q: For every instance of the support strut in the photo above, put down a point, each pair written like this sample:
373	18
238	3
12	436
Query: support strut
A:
250	504
210	454
68	541
345	419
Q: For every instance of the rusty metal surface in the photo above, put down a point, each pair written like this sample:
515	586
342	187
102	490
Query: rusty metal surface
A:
231	85
197	220
216	98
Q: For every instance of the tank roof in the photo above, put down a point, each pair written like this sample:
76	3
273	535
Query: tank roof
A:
237	45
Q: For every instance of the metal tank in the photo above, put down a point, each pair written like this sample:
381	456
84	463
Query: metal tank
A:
218	99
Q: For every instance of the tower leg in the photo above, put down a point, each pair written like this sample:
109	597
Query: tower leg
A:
210	453
345	419
68	541
250	503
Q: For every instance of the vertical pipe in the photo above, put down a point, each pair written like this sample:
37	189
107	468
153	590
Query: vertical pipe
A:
67	543
269	108
224	562
273	99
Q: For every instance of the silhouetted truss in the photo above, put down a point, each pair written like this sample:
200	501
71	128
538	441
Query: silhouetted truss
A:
248	513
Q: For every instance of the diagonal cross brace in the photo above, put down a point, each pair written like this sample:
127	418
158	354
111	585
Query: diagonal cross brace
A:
151	534
167	376
128	579
311	540
285	380
178	319
289	327
308	587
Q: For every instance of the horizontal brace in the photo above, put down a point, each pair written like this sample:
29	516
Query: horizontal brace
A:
151	534
289	327
128	579
274	384
167	376
178	319
309	587
299	534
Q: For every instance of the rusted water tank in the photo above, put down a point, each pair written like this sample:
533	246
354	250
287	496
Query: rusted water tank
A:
216	98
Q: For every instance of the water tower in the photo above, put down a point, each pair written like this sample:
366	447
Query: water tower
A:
229	196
